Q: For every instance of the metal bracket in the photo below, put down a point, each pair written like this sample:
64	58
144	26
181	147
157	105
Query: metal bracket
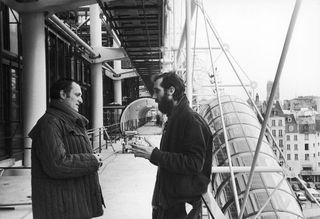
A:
108	54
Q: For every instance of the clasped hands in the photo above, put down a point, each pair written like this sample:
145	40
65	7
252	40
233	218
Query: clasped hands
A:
142	150
98	156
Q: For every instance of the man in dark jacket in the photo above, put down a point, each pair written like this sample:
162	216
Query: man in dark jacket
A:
185	155
65	182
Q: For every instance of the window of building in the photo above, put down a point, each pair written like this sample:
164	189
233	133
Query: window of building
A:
10	28
318	164
306	157
306	147
291	128
288	137
295	147
288	156
273	122
295	137
280	122
280	143
296	157
307	168
280	133
10	109
306	136
274	133
289	119
288	147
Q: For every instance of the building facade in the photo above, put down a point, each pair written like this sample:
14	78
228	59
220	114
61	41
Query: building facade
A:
63	58
277	126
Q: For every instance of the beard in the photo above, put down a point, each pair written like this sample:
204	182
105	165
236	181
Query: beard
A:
165	105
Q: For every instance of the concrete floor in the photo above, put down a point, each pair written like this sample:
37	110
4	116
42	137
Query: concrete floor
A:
127	184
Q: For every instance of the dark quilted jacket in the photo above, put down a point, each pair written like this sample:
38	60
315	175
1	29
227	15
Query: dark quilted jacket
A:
65	182
184	160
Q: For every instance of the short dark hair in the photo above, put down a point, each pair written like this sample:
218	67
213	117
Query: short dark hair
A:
172	79
64	84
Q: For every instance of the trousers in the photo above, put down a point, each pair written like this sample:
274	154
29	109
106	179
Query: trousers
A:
177	212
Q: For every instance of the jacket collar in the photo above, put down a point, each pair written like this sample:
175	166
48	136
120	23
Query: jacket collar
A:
65	112
183	102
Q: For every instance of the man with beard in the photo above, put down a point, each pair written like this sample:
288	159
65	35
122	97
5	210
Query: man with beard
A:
185	154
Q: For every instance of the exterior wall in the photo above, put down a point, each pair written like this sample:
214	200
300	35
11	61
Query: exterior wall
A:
11	140
63	60
277	125
292	149
308	152
302	144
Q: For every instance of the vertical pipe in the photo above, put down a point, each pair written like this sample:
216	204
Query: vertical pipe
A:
188	52
117	87
96	69
34	75
117	83
173	36
270	102
117	91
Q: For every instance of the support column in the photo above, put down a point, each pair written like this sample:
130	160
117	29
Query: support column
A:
34	75
117	88
188	52
96	69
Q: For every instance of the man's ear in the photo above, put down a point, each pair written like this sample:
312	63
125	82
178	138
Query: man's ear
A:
63	94
171	90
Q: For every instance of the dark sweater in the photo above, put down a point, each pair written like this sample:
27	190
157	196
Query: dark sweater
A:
184	159
65	182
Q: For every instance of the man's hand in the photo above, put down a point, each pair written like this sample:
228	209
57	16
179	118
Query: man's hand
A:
149	142
141	150
99	158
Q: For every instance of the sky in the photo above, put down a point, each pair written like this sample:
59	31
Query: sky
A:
255	31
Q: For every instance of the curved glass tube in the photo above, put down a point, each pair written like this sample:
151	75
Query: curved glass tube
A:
243	129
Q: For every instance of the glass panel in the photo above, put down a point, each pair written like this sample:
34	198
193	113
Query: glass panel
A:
285	202
243	130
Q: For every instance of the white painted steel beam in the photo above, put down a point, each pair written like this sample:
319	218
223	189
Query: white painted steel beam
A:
184	32
65	28
117	84
46	5
123	74
109	54
96	69
34	89
237	169
189	86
